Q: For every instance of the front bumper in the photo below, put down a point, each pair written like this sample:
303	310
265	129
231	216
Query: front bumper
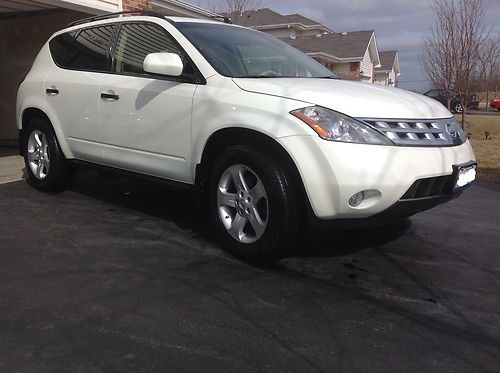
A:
332	172
400	210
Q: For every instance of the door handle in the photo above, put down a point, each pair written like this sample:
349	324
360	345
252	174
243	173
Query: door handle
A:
109	96
52	91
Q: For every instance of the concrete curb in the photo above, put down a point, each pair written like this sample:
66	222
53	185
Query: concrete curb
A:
12	168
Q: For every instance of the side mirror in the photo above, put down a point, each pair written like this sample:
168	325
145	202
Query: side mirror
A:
163	63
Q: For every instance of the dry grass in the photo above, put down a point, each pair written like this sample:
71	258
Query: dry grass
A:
487	150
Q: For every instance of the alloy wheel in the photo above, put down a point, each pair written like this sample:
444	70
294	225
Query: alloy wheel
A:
38	154
242	203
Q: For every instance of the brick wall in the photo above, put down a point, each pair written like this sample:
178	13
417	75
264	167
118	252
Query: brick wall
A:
136	4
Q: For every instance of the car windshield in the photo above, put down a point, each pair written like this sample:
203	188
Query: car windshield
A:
243	53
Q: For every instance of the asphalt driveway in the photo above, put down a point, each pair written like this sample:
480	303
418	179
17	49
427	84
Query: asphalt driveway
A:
117	275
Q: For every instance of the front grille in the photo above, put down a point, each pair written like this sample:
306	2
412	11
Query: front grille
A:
430	187
438	132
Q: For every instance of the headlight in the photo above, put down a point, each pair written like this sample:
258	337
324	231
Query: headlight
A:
330	125
457	127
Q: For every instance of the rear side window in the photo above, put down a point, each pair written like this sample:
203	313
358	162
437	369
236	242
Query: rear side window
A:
136	41
59	45
86	50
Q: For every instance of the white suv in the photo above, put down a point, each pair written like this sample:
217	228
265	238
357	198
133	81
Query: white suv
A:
271	138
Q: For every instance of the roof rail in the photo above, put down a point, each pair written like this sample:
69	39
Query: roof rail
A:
117	14
223	18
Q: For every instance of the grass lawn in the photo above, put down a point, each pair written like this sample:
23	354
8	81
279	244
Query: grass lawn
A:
487	150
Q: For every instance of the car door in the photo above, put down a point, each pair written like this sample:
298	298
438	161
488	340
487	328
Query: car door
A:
145	119
72	87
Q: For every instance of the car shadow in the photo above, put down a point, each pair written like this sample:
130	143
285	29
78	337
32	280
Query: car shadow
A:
337	242
185	209
150	198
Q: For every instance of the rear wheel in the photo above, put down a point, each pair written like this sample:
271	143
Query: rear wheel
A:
250	199
457	108
45	163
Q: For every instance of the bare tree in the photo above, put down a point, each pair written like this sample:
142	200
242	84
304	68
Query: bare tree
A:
233	6
489	59
239	6
450	53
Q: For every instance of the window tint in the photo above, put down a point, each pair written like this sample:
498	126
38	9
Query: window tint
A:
59	45
136	41
244	53
89	51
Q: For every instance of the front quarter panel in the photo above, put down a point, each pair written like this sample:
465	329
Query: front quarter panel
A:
221	104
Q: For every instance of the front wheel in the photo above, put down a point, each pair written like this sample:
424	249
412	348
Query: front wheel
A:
251	205
45	163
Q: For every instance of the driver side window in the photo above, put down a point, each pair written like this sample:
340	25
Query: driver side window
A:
136	41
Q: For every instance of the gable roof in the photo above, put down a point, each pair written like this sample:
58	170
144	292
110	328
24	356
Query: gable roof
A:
259	17
388	61
265	18
297	18
350	45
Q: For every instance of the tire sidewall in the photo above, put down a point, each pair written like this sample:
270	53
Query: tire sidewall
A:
274	243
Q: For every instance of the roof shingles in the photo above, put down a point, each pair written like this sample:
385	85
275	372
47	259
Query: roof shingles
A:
341	45
387	59
259	17
297	18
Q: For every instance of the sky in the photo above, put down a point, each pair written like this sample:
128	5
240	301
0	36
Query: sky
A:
398	24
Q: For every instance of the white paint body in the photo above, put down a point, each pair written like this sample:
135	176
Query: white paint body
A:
161	127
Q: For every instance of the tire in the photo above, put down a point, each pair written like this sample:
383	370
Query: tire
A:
46	165
250	202
457	108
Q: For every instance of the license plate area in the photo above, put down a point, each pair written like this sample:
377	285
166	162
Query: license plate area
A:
465	174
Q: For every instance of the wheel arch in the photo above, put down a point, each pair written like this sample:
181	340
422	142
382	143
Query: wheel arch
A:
30	113
223	138
27	115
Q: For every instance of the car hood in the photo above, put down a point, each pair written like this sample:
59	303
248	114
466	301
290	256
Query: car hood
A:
356	99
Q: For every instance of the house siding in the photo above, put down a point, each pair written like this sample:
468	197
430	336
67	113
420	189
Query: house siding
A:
381	78
342	70
310	32
392	78
386	78
282	33
367	66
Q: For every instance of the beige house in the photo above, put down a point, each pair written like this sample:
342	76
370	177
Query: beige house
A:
281	26
388	71
350	55
25	25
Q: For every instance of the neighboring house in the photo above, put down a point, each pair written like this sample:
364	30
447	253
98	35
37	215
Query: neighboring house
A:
350	55
389	70
25	25
281	26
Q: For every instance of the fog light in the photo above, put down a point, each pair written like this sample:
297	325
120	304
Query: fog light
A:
356	199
